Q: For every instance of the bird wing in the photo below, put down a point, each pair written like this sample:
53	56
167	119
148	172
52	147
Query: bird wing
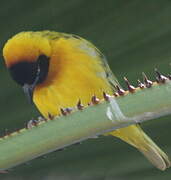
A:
89	48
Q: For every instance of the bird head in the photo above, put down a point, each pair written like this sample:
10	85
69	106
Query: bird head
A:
27	59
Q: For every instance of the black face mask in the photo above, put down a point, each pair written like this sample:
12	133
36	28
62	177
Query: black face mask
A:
29	74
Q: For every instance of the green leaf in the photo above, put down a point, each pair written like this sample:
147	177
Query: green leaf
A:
94	120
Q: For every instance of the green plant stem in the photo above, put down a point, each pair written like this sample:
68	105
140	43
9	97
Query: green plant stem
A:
149	103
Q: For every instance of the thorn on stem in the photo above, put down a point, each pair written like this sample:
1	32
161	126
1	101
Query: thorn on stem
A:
160	78
120	91
63	112
106	96
140	84
40	119
79	105
32	123
147	82
130	87
68	110
116	94
95	100
50	116
169	76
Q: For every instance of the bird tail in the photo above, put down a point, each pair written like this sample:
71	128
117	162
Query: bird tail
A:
136	137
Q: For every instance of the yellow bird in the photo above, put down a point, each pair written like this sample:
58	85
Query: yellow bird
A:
57	69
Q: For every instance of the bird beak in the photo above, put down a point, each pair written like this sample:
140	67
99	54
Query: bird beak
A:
28	91
29	88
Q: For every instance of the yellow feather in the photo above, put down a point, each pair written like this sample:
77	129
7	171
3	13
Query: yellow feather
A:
77	70
72	72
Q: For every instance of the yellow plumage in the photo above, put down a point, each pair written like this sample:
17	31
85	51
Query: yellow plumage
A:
72	71
77	70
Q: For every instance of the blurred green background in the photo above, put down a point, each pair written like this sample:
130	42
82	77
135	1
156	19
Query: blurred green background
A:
135	36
